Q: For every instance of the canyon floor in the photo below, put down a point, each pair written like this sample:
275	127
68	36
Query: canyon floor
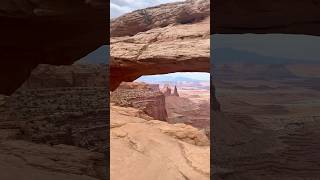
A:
191	107
269	124
164	132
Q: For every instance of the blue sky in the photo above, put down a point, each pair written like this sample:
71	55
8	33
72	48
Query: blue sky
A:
192	75
120	7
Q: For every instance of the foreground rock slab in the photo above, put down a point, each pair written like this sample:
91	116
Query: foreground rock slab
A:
156	149
30	161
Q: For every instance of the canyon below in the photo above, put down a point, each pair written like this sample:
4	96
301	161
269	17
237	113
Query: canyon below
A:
268	123
166	131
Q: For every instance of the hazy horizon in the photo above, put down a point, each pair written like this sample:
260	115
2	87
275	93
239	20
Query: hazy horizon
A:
289	46
196	76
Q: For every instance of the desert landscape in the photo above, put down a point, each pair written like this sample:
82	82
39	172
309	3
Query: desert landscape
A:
268	123
147	117
187	100
160	129
145	122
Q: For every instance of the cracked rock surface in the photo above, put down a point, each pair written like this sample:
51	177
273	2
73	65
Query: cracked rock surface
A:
156	149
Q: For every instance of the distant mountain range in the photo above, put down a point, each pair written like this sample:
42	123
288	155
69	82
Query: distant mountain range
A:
219	56
99	56
230	55
167	78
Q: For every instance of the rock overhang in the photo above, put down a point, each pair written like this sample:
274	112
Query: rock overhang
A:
64	36
46	32
172	42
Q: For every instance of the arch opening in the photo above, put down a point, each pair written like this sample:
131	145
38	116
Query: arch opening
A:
181	97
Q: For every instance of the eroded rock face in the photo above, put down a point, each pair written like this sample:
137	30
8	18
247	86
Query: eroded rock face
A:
179	43
141	96
47	32
160	16
32	161
61	122
77	75
157	150
55	107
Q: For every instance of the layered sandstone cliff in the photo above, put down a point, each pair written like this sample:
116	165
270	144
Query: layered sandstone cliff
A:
141	96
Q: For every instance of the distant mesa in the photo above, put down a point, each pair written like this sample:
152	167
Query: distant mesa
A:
167	91
175	92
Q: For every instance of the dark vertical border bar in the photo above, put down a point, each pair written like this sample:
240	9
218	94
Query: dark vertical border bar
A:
212	98
107	147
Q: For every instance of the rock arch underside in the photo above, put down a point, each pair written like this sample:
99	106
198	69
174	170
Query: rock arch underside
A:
47	32
59	33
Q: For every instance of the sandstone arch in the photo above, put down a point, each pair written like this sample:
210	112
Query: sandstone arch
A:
175	39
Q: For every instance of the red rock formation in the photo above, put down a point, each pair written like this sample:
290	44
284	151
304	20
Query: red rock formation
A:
169	151
175	91
167	91
160	16
184	32
141	96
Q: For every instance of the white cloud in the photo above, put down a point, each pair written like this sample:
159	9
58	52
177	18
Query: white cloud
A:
120	7
116	10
